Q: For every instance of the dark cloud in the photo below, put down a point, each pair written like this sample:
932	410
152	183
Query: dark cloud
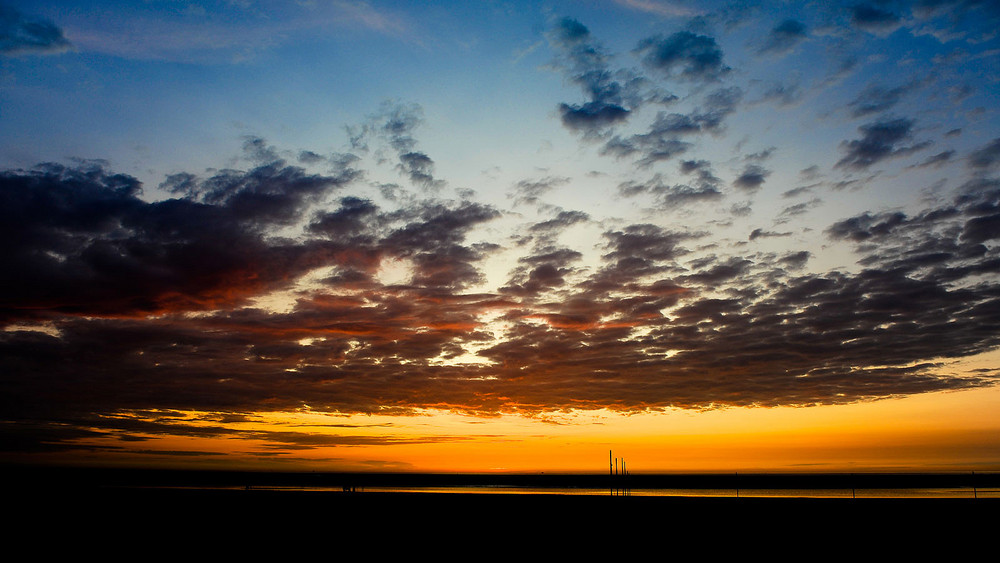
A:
651	147
433	241
692	166
663	140
309	157
795	192
684	55
873	18
796	260
761	233
798	209
256	150
876	99
612	93
947	20
561	221
542	271
648	241
354	217
120	313
22	35
761	156
752	178
672	196
864	227
936	160
718	272
741	209
783	38
420	168
592	116
395	124
783	94
880	140
987	157
88	245
528	191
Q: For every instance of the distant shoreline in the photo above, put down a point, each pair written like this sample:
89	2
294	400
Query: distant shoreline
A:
86	477
191	515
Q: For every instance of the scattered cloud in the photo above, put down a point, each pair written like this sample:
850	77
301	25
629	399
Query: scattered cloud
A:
873	18
349	282
612	95
25	35
987	157
783	38
879	141
876	99
752	178
684	55
659	7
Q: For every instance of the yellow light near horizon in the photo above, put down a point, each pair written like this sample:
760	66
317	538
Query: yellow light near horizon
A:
936	431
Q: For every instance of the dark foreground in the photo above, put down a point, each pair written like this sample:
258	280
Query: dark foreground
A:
78	518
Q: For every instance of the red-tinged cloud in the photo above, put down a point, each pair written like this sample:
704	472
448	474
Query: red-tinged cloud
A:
116	304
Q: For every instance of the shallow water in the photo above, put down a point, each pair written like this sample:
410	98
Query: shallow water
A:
942	492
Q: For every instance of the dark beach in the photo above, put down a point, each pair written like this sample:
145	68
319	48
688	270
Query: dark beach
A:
266	507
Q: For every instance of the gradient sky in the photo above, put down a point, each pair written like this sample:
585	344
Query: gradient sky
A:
489	236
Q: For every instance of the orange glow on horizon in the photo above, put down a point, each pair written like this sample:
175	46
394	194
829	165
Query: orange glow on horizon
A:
936	432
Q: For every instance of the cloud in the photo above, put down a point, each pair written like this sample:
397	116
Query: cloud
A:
873	18
684	55
592	116
951	20
355	217
796	260
866	226
672	196
987	157
225	32
880	140
433	241
663	139
752	178
543	271
87	245
612	94
629	335
936	160
660	8
25	35
528	191
562	220
784	94
395	124
783	38
256	150
420	168
761	233
114	301
798	208
876	99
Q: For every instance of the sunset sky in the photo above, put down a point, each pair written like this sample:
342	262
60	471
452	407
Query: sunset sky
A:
501	236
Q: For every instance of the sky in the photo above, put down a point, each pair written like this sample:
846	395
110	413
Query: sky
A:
500	235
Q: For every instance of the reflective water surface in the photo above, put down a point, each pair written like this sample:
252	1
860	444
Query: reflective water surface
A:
942	492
